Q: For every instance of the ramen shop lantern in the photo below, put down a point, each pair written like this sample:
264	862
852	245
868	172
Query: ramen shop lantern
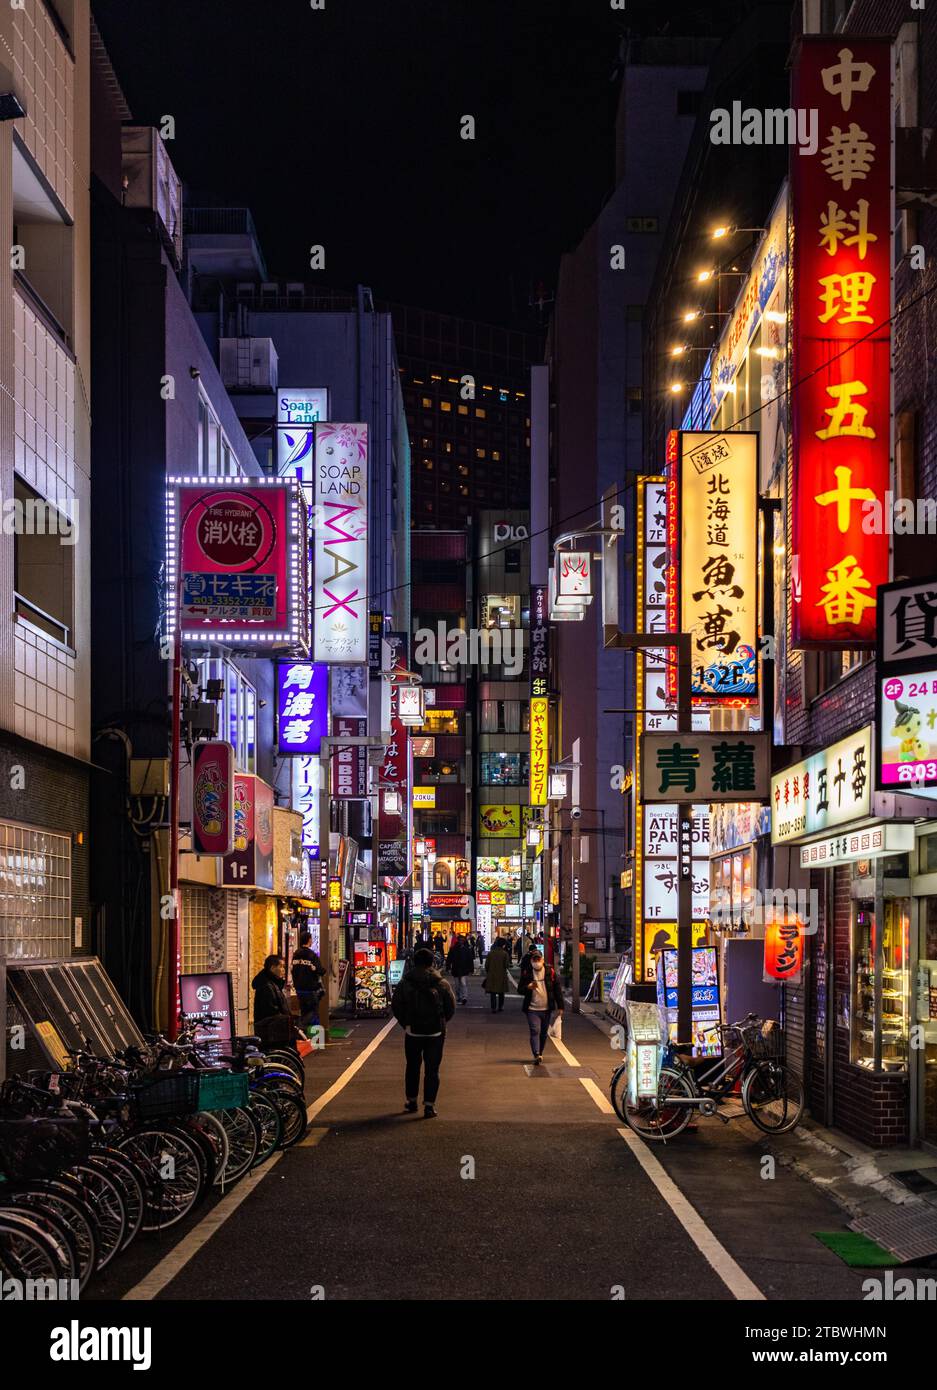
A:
784	951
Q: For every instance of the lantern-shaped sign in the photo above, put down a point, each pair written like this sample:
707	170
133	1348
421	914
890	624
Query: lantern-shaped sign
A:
784	951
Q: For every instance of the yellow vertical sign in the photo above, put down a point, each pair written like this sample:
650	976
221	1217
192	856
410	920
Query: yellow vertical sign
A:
539	750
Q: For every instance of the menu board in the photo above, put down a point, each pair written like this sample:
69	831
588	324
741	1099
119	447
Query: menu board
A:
371	995
705	1011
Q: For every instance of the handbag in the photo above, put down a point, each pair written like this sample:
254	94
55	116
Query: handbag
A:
555	1030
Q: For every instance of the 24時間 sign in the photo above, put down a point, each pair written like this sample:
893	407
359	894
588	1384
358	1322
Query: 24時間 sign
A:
340	584
237	554
842	207
302	706
718	562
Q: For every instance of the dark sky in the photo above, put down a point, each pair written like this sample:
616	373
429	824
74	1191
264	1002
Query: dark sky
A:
341	126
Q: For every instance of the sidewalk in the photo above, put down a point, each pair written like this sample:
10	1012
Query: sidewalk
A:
888	1194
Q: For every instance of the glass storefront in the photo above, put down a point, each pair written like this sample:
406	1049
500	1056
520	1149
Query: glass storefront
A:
881	984
926	1014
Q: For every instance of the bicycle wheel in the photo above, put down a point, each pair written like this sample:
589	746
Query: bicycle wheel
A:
131	1182
175	1172
58	1229
279	1076
243	1135
618	1090
271	1126
27	1252
281	1057
292	1115
773	1097
652	1117
59	1198
103	1194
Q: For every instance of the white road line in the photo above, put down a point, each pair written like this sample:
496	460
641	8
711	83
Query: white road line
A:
339	1085
712	1250
167	1269
177	1258
731	1274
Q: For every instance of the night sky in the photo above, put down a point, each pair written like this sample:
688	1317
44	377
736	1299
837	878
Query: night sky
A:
341	127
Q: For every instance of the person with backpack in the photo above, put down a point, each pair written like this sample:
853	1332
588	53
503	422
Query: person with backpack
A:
542	993
497	981
460	963
423	1003
307	970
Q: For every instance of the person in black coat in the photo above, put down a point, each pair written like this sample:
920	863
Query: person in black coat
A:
307	971
423	1004
460	963
542	994
273	1022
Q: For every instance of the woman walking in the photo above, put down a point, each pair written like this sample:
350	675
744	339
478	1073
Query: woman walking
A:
497	981
542	993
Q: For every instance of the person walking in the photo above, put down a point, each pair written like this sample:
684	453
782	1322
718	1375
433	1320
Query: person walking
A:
307	971
273	1022
423	1004
460	963
480	943
497	981
542	993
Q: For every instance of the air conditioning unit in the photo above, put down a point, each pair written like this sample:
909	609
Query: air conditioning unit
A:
248	364
152	182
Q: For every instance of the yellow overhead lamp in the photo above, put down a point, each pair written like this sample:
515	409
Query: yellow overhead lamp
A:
724	230
692	314
705	275
676	351
677	387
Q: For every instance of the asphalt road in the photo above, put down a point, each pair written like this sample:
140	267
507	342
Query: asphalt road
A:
522	1188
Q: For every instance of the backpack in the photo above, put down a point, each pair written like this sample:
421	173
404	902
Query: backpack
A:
425	1012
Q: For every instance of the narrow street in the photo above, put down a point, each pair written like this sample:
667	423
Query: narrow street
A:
374	1205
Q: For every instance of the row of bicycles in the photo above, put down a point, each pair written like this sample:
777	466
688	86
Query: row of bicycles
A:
95	1155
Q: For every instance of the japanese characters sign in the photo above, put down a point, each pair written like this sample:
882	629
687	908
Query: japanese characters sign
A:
907	624
710	767
718	560
784	952
212	798
868	843
237	554
842	206
349	761
907	737
828	789
302	706
395	845
539	751
539	641
305	787
341	544
502	822
250	863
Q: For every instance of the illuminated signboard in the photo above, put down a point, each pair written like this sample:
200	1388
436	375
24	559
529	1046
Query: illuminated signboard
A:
718	560
424	798
212	798
539	641
843	210
715	767
500	821
497	873
237	555
823	791
341	544
539	751
305	787
302	706
908	731
298	412
350	760
250	863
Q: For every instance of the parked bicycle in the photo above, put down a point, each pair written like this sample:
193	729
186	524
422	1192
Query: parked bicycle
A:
772	1096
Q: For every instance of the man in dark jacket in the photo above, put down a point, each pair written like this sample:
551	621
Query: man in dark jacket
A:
539	987
307	971
423	1004
272	1021
460	963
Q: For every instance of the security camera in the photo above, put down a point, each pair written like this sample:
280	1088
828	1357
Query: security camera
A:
576	813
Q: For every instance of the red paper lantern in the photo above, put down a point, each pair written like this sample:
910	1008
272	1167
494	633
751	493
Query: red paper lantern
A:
784	950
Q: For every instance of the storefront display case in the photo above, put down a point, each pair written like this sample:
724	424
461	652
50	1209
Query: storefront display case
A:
880	984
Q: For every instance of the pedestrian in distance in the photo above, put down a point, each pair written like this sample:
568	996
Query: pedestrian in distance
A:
273	1023
460	963
481	948
439	944
423	1004
497	981
542	994
307	971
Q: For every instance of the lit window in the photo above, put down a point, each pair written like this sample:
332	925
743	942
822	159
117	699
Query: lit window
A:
480	413
496	455
446	405
464	490
428	465
448	447
463	469
427	403
463	409
480	453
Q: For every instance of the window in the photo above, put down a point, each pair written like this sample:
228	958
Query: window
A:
427	403
463	409
879	1032
501	610
237	710
43	563
505	769
214	455
446	406
35	893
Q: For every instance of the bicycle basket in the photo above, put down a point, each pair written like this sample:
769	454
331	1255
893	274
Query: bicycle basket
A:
162	1097
765	1041
222	1090
38	1148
